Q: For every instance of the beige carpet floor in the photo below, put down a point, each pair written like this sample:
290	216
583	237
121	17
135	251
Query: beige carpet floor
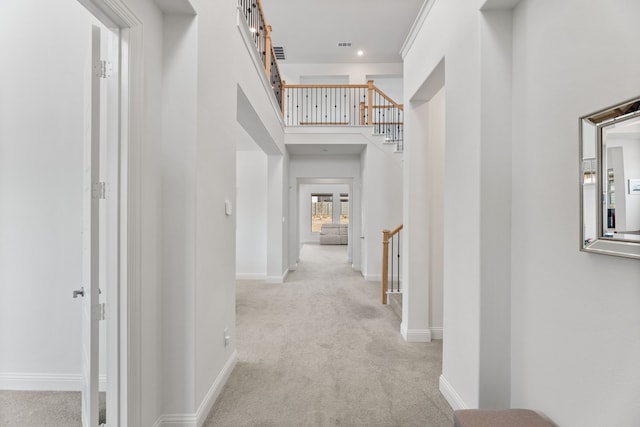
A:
321	350
318	350
43	408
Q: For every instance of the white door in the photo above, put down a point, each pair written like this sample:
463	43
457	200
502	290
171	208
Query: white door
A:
93	192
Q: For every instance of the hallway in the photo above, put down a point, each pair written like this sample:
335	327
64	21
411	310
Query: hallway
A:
321	350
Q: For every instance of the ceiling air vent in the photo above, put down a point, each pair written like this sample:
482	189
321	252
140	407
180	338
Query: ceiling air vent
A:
279	51
344	44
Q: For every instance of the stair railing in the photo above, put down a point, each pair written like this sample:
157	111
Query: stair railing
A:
324	105
344	105
391	264
328	105
386	115
261	35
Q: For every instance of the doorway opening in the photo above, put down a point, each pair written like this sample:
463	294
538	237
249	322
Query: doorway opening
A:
45	187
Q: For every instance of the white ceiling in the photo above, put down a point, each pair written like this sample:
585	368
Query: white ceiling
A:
627	129
310	30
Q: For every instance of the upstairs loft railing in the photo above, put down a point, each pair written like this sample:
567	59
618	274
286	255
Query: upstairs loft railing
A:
391	262
329	105
344	105
261	35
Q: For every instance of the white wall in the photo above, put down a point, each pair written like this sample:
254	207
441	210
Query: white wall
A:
559	300
435	184
390	85
42	124
251	215
576	296
215	163
382	205
178	213
356	73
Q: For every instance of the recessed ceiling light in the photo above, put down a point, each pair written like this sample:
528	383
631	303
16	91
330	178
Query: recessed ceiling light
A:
360	52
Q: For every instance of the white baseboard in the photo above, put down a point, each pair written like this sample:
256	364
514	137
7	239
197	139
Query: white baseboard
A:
197	419
293	267
437	333
415	335
216	388
176	420
251	276
449	393
277	279
373	277
45	382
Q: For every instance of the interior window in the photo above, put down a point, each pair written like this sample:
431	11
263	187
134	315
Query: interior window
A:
321	211
344	208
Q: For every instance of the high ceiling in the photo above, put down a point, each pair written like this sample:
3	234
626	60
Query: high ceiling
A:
310	30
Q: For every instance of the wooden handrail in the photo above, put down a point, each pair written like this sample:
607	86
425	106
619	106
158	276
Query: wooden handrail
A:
268	50
386	106
395	230
262	15
386	236
263	33
385	96
370	106
282	96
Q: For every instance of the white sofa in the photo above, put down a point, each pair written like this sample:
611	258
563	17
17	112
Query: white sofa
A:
334	234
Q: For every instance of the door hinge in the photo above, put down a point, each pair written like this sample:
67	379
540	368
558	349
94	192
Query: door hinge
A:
99	190
103	69
101	311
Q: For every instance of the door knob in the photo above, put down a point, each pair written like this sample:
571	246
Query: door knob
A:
78	292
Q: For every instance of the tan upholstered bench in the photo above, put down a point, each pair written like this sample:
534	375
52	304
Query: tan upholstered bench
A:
507	418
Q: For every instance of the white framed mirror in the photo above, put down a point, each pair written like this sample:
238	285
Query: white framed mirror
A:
610	180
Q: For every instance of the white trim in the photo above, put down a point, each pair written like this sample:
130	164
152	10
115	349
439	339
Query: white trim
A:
437	333
45	381
198	419
276	280
416	27
372	277
116	14
131	244
40	381
499	4
257	63
251	276
177	420
415	335
452	397
216	388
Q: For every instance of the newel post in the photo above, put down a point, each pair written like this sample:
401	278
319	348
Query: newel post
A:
385	264
284	86
267	54
370	106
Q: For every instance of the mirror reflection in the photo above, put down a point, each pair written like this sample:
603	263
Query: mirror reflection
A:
610	180
621	166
